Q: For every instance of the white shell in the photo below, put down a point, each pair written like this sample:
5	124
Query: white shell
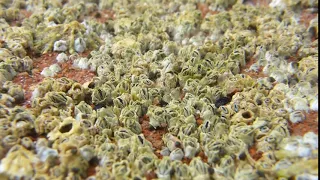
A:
79	45
306	176
62	57
44	153
312	139
277	4
299	104
296	117
304	150
81	63
314	104
177	154
55	68
46	72
60	45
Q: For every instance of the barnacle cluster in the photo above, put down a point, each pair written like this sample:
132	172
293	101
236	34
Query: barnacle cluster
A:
168	63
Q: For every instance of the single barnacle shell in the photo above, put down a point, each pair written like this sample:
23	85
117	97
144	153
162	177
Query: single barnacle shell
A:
156	116
188	130
14	91
145	162
181	170
299	104
66	128
10	141
101	96
76	92
62	84
296	116
6	100
19	160
60	45
245	116
171	141
22	123
164	168
312	139
243	132
71	160
58	99
176	154
199	169
46	122
61	57
191	147
132	124
87	152
121	169
123	133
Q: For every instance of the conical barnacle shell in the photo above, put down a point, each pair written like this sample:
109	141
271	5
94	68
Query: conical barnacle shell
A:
164	168
9	141
199	169
76	92
46	122
66	128
123	133
58	99
121	169
191	147
12	163
71	160
245	116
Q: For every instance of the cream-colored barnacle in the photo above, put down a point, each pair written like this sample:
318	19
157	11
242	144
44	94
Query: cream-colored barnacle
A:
66	128
245	171
122	133
19	160
10	141
122	101
14	91
171	141
62	84
177	154
297	116
181	170
199	169
132	124
58	99
46	122
145	162
188	130
214	150
245	116
191	147
156	115
226	111
164	168
121	169
243	132
71	159
22	123
299	104
76	92
101	96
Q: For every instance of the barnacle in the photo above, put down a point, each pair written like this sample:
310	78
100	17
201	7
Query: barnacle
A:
66	128
19	160
164	168
170	75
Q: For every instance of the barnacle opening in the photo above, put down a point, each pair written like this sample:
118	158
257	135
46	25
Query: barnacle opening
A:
247	114
66	128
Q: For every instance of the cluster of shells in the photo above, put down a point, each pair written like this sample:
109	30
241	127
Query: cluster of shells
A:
160	60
